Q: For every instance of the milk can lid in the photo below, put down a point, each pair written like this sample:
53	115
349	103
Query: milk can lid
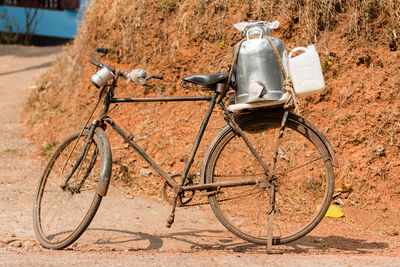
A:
265	26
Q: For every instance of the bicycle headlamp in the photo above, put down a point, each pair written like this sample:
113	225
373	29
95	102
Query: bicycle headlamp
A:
101	77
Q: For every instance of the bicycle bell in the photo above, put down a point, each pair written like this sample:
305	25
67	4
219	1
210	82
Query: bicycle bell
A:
101	77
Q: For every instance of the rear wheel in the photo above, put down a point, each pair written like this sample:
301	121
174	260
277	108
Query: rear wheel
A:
305	179
63	210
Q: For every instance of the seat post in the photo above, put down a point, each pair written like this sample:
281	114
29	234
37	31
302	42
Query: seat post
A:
220	87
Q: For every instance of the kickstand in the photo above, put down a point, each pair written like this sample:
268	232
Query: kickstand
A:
171	217
271	212
274	184
270	231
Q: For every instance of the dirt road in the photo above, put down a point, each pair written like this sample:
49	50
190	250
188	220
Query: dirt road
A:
18	174
132	231
117	216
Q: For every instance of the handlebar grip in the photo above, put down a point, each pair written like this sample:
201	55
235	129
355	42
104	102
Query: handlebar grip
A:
103	50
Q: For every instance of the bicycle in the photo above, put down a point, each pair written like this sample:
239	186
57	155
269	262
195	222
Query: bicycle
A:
260	191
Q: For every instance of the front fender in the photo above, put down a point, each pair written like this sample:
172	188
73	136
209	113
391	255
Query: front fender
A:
101	140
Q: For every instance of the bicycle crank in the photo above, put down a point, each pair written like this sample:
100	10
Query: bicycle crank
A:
184	197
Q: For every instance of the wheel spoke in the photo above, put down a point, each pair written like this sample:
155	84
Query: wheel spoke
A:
304	180
62	215
240	175
303	165
243	194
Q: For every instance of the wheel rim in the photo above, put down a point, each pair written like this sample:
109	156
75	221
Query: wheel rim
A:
304	174
61	213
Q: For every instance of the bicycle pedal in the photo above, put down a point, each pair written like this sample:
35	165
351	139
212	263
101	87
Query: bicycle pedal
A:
170	220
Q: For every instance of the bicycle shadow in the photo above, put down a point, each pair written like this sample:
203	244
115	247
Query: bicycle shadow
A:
198	240
193	239
335	244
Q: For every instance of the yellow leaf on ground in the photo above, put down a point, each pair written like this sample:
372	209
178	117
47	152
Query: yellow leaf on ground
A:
334	211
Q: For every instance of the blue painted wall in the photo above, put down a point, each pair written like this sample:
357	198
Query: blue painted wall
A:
62	24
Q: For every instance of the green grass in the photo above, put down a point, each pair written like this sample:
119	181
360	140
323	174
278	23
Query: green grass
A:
48	149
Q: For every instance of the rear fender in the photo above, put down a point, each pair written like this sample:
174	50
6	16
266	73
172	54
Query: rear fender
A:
321	136
245	120
210	150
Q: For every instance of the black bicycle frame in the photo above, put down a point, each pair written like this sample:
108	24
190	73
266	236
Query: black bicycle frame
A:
109	99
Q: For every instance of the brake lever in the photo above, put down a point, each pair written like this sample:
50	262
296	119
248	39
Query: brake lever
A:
152	86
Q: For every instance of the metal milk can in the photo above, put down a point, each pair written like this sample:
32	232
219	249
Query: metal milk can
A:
257	71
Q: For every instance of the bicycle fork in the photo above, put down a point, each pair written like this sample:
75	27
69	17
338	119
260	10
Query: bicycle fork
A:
82	155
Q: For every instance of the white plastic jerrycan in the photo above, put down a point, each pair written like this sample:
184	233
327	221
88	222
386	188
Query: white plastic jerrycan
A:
305	71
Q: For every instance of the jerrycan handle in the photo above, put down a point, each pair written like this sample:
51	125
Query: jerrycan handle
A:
253	29
297	49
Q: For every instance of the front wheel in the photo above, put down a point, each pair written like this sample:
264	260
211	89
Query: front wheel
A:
67	199
304	174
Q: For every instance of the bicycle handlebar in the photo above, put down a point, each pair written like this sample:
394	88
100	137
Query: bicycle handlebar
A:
113	70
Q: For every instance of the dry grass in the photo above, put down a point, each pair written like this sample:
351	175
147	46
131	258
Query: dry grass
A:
180	37
313	17
375	20
158	34
371	19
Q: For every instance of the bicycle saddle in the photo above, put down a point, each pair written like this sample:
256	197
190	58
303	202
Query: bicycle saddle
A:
206	79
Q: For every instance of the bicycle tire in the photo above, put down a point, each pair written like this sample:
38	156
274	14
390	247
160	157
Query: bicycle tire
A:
301	201
62	215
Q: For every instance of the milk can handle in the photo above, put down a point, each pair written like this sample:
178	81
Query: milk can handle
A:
255	28
297	49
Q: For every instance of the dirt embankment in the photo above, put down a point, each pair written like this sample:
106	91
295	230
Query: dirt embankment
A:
357	42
